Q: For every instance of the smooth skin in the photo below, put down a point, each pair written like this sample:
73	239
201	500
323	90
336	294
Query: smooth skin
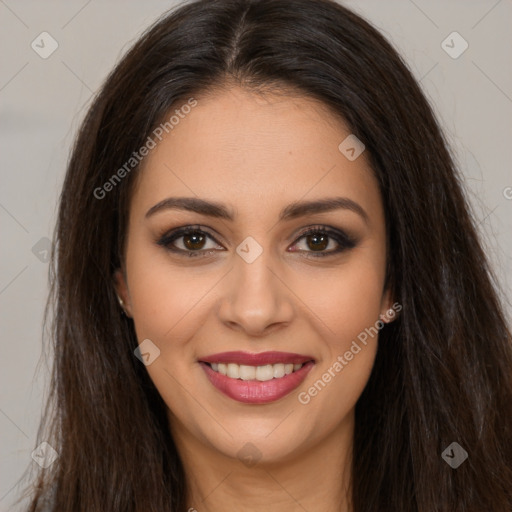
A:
257	154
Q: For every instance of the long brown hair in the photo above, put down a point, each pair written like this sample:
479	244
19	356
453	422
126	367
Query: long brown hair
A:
443	371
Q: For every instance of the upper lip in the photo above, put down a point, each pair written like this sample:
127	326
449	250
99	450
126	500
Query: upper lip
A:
260	359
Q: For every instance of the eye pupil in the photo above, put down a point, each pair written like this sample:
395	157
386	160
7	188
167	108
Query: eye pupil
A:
197	239
315	238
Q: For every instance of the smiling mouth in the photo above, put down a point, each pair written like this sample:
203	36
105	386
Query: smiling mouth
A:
257	384
256	378
259	373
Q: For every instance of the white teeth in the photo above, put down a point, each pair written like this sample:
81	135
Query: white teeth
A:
247	372
261	373
233	371
264	372
278	371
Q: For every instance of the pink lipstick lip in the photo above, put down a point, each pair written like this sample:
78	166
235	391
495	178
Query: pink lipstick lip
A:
255	391
260	359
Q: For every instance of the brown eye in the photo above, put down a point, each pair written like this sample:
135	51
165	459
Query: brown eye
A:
317	241
318	238
194	241
188	241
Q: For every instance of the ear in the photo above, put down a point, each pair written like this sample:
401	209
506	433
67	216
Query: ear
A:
122	292
389	310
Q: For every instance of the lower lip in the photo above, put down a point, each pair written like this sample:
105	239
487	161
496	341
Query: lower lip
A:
255	391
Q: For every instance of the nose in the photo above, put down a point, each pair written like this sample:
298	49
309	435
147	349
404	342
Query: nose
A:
255	298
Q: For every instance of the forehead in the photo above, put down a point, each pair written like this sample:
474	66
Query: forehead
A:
246	148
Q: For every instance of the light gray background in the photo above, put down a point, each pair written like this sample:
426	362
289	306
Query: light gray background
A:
43	101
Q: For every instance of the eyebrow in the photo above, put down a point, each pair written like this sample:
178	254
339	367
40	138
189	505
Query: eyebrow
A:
292	211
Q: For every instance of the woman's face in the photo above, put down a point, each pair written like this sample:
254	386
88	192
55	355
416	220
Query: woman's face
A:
249	281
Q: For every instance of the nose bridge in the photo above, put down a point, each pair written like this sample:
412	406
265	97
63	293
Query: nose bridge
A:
256	297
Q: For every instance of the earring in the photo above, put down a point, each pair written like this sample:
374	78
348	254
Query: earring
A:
389	316
121	303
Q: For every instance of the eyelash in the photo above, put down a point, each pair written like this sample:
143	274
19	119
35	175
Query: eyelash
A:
343	240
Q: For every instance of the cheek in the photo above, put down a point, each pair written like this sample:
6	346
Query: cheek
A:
347	299
167	309
341	376
356	304
350	312
167	300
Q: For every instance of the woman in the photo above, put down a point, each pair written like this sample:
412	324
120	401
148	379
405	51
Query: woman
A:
269	290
